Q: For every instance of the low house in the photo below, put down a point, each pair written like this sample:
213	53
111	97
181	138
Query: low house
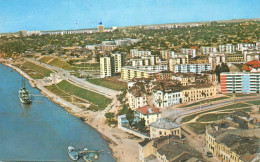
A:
164	127
149	114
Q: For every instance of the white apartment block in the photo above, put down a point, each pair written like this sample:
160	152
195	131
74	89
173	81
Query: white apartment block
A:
208	50
216	59
117	60
178	60
157	68
137	53
192	68
165	54
189	51
105	67
241	46
166	98
228	48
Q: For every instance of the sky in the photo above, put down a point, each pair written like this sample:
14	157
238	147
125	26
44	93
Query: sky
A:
44	15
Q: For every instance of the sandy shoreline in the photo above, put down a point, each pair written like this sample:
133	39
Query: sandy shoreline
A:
123	145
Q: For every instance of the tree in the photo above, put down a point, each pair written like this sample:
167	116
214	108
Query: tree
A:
130	116
110	116
141	125
221	68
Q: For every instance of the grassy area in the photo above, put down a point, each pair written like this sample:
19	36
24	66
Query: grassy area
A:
95	98
231	107
254	102
59	63
45	59
211	117
206	101
35	71
116	85
196	127
94	65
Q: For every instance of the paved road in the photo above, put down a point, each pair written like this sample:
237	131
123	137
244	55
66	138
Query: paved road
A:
65	74
178	113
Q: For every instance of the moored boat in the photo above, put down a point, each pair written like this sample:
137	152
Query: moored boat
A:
73	154
24	94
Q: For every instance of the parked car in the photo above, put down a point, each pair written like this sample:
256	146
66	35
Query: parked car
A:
209	154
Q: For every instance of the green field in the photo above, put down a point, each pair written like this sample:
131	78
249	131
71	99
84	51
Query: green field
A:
211	117
95	98
206	101
196	127
254	102
94	65
45	59
35	71
229	107
109	84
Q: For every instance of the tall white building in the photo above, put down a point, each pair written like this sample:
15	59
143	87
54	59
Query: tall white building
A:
137	53
228	48
208	50
192	68
117	60
105	67
240	46
166	98
189	51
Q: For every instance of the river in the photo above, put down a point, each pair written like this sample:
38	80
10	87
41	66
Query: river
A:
43	130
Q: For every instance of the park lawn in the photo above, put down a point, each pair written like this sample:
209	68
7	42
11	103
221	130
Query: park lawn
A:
206	101
229	107
94	65
254	102
108	84
196	127
95	98
45	59
211	117
59	63
35	71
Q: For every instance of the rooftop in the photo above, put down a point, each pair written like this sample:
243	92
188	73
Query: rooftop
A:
146	110
164	123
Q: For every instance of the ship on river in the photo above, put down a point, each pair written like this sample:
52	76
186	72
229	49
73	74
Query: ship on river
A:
24	94
87	155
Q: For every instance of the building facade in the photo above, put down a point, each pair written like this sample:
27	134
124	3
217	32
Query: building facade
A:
197	92
189	51
137	53
166	98
192	68
228	48
240	82
105	67
165	54
149	114
208	50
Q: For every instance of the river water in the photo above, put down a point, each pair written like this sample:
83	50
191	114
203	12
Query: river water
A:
41	131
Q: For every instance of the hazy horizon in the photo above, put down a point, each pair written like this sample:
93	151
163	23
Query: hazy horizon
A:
47	15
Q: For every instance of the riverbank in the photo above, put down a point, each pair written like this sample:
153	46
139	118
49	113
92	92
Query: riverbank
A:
124	146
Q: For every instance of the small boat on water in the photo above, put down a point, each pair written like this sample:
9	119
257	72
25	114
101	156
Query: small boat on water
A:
91	156
24	94
87	155
73	154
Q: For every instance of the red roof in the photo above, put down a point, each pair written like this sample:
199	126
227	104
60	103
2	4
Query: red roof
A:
247	68
253	63
146	110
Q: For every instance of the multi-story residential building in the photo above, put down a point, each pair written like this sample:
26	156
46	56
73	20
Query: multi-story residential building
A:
240	46
179	59
216	59
198	91
208	50
185	79
199	60
149	114
163	98
233	145
228	48
130	72
250	56
108	47
165	75
164	127
235	58
240	82
105	67
117	61
137	53
192	68
191	52
166	54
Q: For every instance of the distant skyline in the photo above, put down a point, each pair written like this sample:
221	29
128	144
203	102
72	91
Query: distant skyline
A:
30	15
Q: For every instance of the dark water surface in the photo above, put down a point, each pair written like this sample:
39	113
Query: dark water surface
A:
41	131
